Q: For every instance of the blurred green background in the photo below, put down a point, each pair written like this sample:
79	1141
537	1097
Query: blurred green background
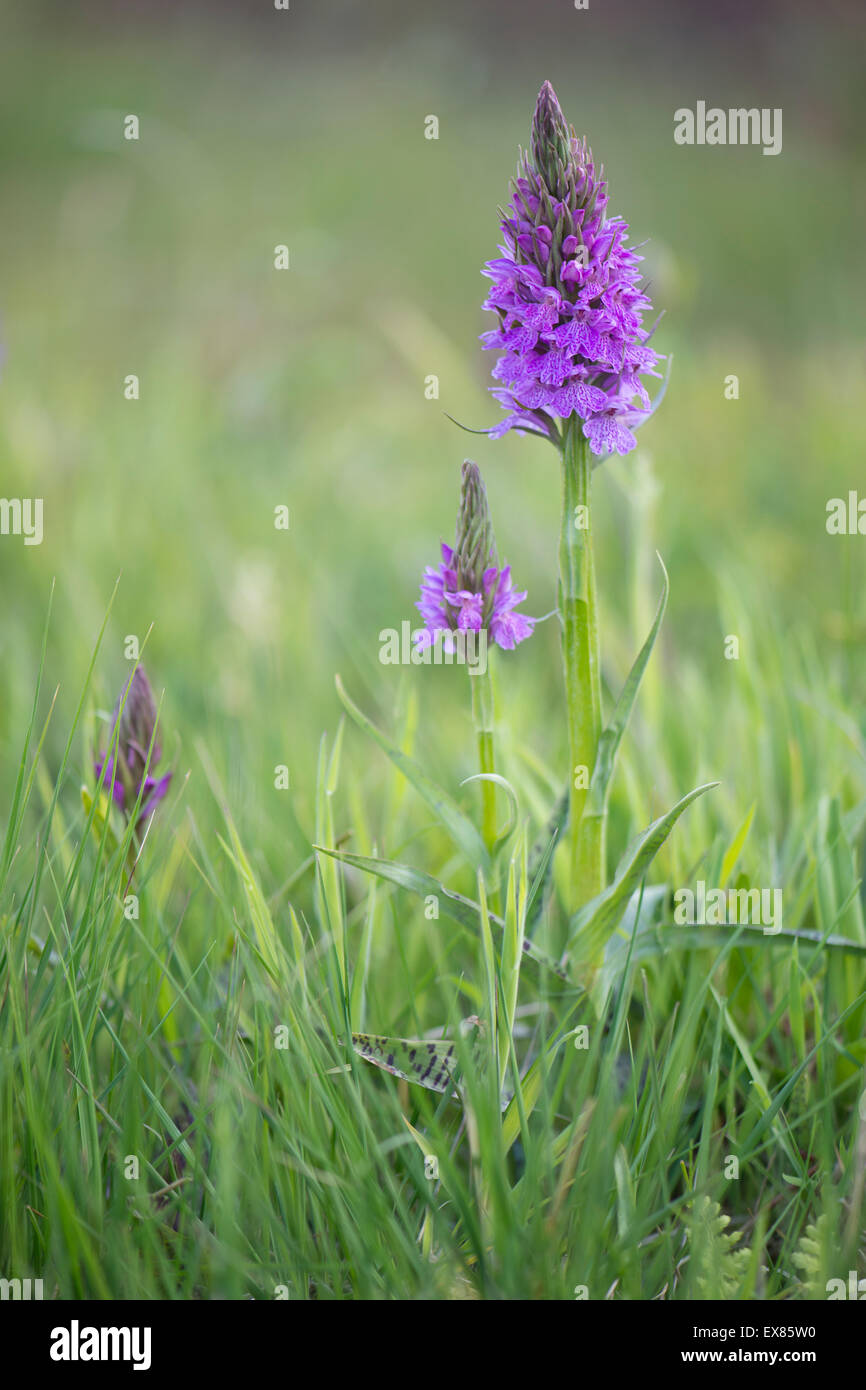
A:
306	387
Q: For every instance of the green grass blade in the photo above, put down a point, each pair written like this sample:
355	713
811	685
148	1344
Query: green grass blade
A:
541	861
611	738
445	808
454	905
593	924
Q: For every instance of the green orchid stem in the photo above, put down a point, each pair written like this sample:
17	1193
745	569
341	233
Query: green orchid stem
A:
482	717
579	618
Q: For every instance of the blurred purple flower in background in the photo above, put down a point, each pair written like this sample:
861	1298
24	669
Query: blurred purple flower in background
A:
136	737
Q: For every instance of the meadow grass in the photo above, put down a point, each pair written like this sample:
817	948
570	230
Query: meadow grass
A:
209	1037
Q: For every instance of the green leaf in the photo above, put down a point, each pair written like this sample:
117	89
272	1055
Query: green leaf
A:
260	916
512	799
625	1198
454	905
640	922
836	875
100	806
697	938
515	935
445	808
433	1065
529	1087
611	738
716	1269
541	861
795	1005
733	851
593	924
498	1038
530	1090
330	894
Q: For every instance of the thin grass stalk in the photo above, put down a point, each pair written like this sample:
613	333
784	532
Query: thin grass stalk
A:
483	720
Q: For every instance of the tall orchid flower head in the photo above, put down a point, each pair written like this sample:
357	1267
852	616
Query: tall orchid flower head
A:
570	299
468	591
138	751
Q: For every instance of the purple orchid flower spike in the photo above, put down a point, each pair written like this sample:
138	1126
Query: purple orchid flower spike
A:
570	299
468	591
130	774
